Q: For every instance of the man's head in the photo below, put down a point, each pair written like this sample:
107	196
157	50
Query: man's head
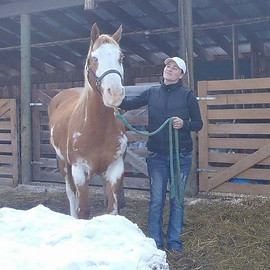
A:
174	70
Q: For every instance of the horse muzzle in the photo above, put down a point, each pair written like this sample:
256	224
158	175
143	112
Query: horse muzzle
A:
113	97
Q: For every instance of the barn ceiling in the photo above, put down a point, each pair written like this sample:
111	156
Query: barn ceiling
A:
60	31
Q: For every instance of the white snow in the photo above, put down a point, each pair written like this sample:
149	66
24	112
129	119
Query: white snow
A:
42	239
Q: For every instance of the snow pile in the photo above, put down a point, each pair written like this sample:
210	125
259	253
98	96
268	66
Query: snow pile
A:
42	239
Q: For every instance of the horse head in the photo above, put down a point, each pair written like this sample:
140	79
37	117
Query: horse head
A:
104	67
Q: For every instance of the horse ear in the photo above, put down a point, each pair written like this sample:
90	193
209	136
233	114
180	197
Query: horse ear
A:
94	33
118	34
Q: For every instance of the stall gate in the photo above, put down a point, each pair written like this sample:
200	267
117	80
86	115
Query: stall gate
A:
234	144
9	154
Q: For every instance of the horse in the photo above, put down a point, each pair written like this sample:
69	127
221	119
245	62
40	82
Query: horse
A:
86	136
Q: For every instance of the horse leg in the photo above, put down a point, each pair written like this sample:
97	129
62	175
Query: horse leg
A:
121	197
65	170
83	197
80	174
114	179
112	191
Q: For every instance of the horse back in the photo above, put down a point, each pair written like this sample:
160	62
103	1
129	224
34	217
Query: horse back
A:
64	99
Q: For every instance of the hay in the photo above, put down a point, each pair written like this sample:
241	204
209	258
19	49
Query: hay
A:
226	235
220	232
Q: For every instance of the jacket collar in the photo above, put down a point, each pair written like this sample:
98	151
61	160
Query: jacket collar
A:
171	87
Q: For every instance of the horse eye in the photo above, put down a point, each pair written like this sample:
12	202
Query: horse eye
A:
122	58
95	59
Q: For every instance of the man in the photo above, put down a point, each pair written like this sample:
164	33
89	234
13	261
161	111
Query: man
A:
169	99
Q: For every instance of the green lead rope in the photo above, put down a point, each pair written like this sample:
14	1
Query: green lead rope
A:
176	186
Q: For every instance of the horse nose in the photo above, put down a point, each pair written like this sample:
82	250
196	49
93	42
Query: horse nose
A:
111	92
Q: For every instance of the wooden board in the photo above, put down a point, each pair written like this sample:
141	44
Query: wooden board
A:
9	153
234	142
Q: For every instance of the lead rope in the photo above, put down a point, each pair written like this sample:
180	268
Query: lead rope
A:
176	186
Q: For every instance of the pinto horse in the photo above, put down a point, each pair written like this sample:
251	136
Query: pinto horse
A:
86	136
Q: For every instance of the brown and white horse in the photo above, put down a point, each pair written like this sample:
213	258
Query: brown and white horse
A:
86	136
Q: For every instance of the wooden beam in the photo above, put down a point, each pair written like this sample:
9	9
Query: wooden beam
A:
11	26
185	21
200	51
130	21
235	52
125	41
262	6
33	6
239	167
152	12
136	162
229	14
41	54
26	124
215	35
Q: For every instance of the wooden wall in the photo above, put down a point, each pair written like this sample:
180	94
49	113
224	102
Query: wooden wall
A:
9	151
234	146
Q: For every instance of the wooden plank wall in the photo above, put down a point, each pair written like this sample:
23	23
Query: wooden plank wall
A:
9	154
44	160
234	145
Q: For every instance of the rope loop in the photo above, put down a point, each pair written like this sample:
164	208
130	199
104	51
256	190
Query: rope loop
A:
176	185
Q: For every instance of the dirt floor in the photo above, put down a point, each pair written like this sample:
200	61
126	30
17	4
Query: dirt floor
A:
220	232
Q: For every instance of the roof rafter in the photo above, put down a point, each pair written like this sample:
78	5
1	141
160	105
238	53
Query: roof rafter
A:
214	35
33	6
229	14
133	23
108	28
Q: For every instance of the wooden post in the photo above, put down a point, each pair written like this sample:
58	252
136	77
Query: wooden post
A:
26	128
186	52
235	52
254	61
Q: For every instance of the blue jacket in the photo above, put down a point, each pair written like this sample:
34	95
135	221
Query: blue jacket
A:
165	101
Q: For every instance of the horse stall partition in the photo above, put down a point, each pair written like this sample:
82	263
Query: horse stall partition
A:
45	167
9	154
234	145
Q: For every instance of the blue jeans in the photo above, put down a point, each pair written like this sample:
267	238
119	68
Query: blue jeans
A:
159	174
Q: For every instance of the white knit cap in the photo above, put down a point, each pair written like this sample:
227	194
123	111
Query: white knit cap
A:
180	63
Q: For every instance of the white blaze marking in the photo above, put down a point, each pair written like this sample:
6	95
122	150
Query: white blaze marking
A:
108	59
57	150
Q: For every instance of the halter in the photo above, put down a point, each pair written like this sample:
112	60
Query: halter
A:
99	79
